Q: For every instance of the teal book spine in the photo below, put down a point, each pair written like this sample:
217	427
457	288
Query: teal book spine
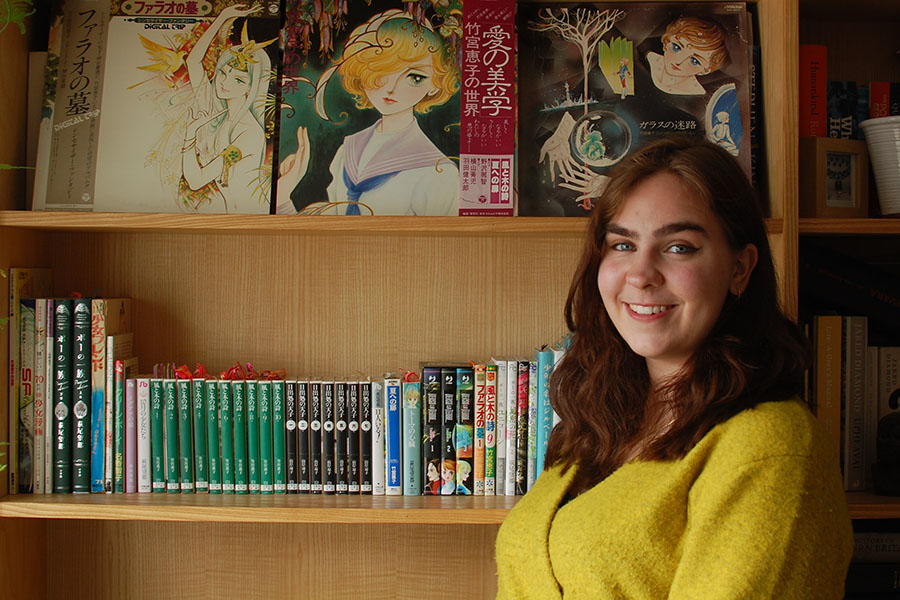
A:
251	403
81	396
279	462
264	420
170	416
239	426
185	439
411	427
157	439
214	459
198	420
226	435
119	425
544	358
62	398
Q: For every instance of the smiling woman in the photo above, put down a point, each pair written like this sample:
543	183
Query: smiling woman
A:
684	465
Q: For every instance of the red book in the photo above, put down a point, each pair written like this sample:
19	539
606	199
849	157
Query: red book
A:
813	90
879	99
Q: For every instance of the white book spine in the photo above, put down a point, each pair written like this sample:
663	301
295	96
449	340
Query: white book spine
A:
392	437
511	400
144	480
558	355
40	374
501	427
378	462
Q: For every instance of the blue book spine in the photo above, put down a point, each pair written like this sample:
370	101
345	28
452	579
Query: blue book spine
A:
412	438
544	360
392	437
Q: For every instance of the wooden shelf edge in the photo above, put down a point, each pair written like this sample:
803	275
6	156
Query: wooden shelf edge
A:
866	505
287	224
300	509
849	226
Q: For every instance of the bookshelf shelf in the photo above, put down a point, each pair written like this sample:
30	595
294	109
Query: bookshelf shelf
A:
866	505
284	224
198	508
849	226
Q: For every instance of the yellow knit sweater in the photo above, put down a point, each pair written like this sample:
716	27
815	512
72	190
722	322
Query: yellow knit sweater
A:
755	510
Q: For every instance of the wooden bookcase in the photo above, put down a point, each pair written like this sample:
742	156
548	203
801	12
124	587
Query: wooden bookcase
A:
330	297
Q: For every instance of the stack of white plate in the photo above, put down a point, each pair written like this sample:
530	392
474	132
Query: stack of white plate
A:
883	140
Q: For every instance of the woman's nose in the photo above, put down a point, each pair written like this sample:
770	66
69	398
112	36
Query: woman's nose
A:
644	271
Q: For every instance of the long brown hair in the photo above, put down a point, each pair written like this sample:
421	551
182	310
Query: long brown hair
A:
753	353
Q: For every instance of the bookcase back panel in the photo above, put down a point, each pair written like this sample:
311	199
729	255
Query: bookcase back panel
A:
341	305
13	88
225	560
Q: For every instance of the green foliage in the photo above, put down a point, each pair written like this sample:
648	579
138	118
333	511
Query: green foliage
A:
15	11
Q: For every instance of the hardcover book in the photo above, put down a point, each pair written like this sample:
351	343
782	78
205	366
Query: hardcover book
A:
24	282
813	90
371	117
198	422
81	396
291	416
365	437
411	427
194	85
598	81
109	316
464	431
432	425
62	398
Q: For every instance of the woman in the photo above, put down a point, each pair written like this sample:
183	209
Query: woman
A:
684	465
398	67
224	147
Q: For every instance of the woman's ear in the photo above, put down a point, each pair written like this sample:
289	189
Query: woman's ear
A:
745	262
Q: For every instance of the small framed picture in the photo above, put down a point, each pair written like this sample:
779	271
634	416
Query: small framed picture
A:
834	177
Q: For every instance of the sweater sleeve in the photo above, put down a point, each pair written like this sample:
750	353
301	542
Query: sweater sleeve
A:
776	527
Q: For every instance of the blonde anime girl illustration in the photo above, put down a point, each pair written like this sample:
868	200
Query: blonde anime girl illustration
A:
398	67
691	47
224	146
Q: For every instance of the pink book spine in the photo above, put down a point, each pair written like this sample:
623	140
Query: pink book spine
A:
130	436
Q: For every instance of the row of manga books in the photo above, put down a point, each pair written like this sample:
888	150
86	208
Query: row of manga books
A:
467	429
382	107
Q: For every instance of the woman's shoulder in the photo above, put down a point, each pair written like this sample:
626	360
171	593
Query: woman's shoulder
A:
770	429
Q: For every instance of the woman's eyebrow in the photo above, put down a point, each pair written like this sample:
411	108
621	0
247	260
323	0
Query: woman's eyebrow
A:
667	229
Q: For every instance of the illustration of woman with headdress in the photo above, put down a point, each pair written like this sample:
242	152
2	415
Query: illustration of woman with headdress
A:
399	67
224	148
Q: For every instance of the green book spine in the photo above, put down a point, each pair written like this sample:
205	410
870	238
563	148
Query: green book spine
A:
119	431
170	414
264	412
81	396
239	424
279	470
252	412
226	419
185	441
201	461
157	440
212	438
62	398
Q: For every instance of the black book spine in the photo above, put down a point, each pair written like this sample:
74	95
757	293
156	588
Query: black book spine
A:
365	437
62	398
341	460
328	462
448	426
353	455
315	437
290	436
431	430
81	396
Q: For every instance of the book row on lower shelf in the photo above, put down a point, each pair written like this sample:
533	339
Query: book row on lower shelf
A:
456	430
875	568
854	390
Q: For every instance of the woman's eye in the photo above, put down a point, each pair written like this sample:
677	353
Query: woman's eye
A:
416	78
695	62
621	246
675	47
682	249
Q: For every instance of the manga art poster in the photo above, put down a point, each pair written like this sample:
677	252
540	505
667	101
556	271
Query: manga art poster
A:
598	81
188	116
370	108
